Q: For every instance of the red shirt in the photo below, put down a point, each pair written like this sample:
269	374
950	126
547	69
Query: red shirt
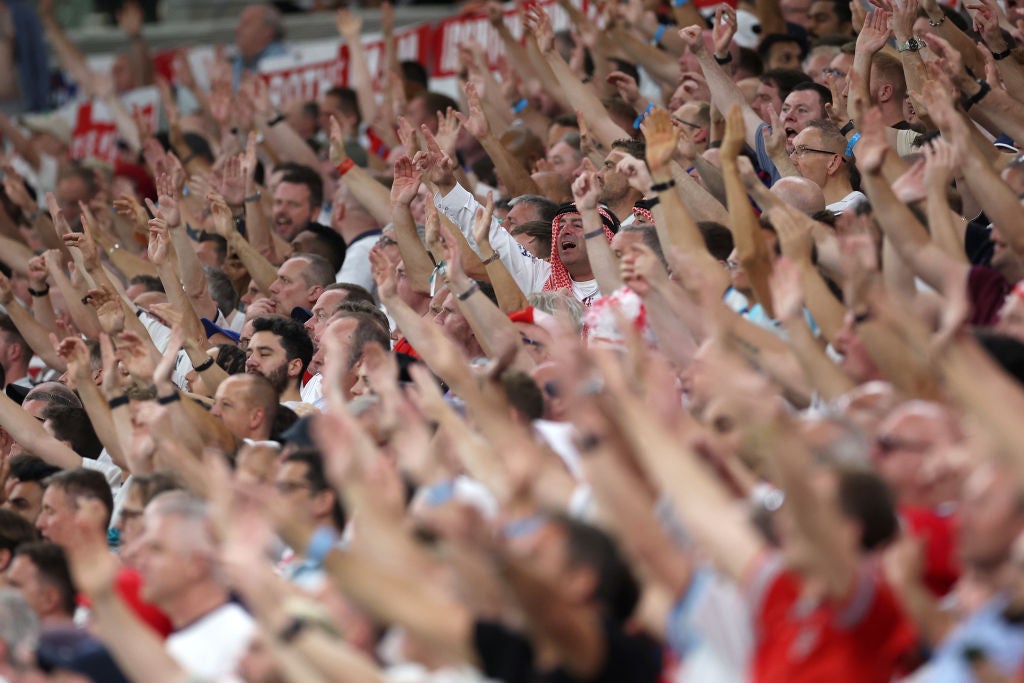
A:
867	639
128	584
938	532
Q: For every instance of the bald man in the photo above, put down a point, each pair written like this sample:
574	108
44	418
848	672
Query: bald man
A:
247	405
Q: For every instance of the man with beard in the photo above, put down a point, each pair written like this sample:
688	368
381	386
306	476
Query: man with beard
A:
280	350
297	201
616	192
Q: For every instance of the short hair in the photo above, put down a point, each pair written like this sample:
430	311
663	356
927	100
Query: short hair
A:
558	303
191	510
330	245
414	72
230	358
51	565
318	270
717	239
72	424
539	230
19	625
26	467
13	336
616	591
649	235
823	93
784	79
348	101
750	61
219	286
545	208
864	496
368	331
625	67
633	147
14	531
76	170
149	283
219	242
889	69
523	394
260	393
523	144
773	39
198	146
54	392
830	133
317	480
842	10
353	292
566	121
272	18
347	307
618	108
82	483
310	177
149	486
292	335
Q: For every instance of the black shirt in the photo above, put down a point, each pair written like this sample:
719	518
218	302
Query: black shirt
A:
508	656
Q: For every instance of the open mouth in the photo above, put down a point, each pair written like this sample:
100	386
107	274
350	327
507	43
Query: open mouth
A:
568	244
790	133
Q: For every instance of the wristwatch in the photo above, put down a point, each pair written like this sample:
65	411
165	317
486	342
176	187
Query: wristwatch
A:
912	45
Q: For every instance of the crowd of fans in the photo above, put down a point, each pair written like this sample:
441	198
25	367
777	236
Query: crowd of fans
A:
677	348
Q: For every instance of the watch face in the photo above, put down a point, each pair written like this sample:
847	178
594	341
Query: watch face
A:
912	44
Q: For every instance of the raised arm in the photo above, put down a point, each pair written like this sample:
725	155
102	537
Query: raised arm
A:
350	28
585	191
510	297
260	269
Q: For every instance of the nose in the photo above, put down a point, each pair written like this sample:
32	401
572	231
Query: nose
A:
309	326
251	363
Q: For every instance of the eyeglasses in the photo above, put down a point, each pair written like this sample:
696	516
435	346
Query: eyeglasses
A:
694	126
286	487
833	72
887	445
801	150
732	265
386	242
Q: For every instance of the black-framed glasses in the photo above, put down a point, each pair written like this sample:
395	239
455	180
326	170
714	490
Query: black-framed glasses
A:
801	150
694	126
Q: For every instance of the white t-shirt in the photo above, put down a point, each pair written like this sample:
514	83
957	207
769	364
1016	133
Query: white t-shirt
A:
846	203
213	646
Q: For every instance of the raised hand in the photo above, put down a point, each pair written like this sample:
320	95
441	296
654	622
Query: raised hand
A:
220	212
14	186
159	241
724	29
385	273
482	223
662	138
794	230
940	163
871	155
538	24
634	170
626	85
407	181
128	207
693	36
109	309
642	270
337	147
436	164
167	197
232	185
75	355
787	294
38	274
448	126
875	33
476	123
349	25
84	242
136	356
736	134
904	14
6	292
586	190
60	222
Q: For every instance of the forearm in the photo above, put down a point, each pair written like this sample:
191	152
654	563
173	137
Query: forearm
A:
33	437
70	57
82	315
102	419
827	378
257	229
286	144
583	99
136	647
751	249
260	269
510	297
603	263
942	222
374	197
361	80
37	336
43	313
701	203
516	178
725	93
417	261
129	264
15	254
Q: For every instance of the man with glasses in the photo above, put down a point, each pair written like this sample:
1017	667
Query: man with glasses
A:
819	155
695	117
301	483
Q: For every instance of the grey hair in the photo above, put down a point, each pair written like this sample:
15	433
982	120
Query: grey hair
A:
190	510
223	293
555	303
19	625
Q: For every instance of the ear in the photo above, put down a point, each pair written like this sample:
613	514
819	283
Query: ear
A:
294	367
885	93
323	502
314	294
582	583
5	560
256	417
835	164
314	214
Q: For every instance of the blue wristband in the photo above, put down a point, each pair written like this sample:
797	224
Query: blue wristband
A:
658	34
520	105
852	143
679	3
321	543
640	119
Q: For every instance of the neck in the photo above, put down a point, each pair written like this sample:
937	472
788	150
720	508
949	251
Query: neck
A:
290	394
892	112
198	600
351	229
624	207
836	187
581	273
